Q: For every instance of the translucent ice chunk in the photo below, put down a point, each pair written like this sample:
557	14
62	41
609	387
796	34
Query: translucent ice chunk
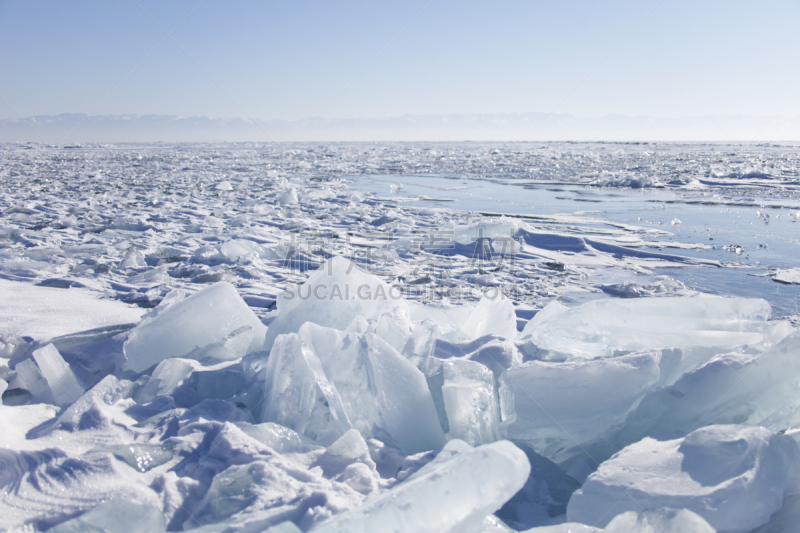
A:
107	392
116	516
287	196
236	248
731	388
394	326
142	457
322	382
28	377
133	259
64	388
445	496
168	374
549	311
735	477
496	228
559	406
600	327
333	296
659	521
494	315
203	319
464	394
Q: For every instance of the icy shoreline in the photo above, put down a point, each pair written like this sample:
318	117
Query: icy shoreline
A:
317	357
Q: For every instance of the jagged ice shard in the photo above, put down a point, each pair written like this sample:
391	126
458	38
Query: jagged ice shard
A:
453	493
321	382
206	319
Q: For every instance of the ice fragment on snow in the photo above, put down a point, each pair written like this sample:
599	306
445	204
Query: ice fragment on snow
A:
212	319
142	457
64	388
494	315
107	392
464	394
444	496
322	382
168	374
116	516
28	377
133	259
287	196
735	477
600	327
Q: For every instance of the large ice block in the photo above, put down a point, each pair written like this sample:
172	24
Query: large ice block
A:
601	327
64	388
464	394
333	296
444	496
207	318
557	407
731	388
322	382
735	477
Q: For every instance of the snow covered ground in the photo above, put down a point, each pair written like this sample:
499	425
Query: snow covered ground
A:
409	337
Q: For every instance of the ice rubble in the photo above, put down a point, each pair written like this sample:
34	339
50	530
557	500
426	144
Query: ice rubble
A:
735	477
214	322
365	381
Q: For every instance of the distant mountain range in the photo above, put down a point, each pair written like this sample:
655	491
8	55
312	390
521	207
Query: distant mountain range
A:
76	128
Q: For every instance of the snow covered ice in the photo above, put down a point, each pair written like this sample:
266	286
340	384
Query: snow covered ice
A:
399	337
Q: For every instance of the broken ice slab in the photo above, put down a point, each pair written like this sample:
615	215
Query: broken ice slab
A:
279	438
731	388
333	296
494	228
165	378
601	327
28	377
116	516
106	393
142	457
206	318
64	388
132	259
464	394
492	315
735	477
492	351
557	408
321	382
450	495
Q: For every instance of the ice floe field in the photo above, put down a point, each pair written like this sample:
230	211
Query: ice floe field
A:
463	337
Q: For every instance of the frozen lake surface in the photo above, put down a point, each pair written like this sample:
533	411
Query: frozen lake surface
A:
412	336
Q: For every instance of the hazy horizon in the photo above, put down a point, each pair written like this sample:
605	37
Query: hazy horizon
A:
681	65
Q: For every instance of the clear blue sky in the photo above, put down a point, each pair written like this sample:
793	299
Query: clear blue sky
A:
378	58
